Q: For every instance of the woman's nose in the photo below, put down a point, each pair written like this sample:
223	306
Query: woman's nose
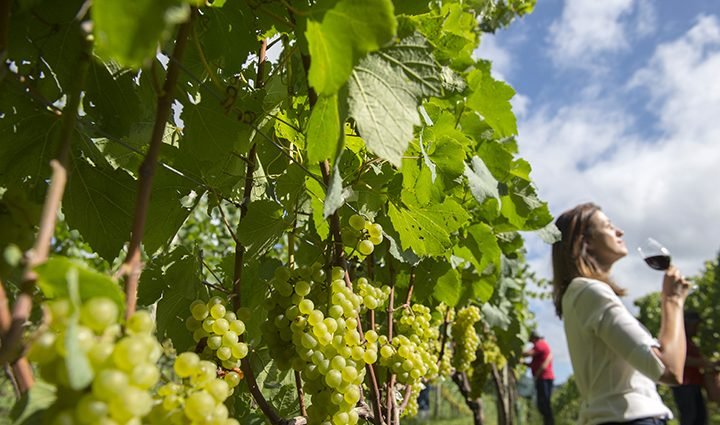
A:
619	231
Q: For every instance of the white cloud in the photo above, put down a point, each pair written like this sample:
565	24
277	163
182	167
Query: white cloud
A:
662	186
589	28
500	58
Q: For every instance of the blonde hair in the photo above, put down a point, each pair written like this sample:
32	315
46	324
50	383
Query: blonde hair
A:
570	257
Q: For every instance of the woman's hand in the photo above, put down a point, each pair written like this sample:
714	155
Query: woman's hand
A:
674	284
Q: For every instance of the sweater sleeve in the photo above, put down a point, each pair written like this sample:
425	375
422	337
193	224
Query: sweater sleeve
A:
602	312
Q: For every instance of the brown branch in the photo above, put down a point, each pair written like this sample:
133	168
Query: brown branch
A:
300	393
5	318
406	398
412	285
12	340
132	267
446	321
245	365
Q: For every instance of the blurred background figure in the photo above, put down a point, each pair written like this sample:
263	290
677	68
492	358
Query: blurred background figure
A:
541	367
688	396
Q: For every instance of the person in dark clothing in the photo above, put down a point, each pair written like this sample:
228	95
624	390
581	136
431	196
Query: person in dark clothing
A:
688	396
541	367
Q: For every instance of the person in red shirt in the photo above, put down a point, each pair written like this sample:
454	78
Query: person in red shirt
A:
688	396
541	367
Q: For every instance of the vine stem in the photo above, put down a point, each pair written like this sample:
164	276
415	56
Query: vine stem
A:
5	318
390	393
245	365
446	321
12	339
132	266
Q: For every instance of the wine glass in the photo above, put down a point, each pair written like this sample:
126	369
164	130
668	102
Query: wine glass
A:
655	254
658	257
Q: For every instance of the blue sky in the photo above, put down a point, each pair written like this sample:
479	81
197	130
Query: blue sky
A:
618	103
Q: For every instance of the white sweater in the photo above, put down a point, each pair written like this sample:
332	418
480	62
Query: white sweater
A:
614	366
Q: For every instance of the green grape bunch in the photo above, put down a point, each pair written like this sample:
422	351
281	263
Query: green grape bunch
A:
221	328
123	362
197	395
319	320
411	354
465	338
362	236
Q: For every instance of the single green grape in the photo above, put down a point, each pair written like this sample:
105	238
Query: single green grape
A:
366	247
186	364
199	405
357	222
140	322
98	313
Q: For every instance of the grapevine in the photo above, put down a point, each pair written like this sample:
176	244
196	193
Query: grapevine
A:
196	175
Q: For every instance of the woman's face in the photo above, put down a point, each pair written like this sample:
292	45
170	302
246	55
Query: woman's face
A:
605	242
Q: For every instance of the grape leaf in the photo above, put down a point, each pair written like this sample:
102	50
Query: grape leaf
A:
180	289
323	132
263	225
447	287
348	31
335	196
29	134
317	198
111	100
384	92
98	202
30	408
484	251
129	32
52	281
492	99
166	212
481	181
427	229
550	233
212	132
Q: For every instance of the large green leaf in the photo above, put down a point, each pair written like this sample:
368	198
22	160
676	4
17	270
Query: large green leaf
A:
492	99
28	133
52	281
167	212
212	131
427	229
348	31
98	203
31	407
482	183
111	100
323	132
483	248
335	196
263	225
180	288
227	29
447	287
129	31
317	200
384	92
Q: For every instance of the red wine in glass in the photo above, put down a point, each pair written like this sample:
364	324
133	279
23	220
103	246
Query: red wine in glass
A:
658	262
658	257
655	254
